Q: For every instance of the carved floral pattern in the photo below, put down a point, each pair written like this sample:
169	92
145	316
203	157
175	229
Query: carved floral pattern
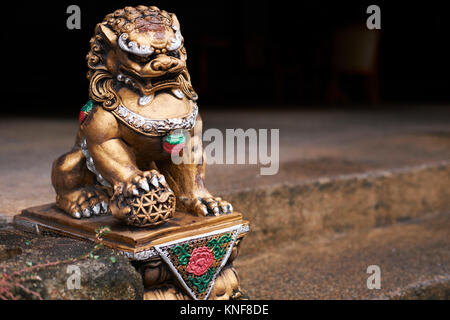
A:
198	261
201	260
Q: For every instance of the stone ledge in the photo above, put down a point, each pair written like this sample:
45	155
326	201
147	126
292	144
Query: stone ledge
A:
437	288
342	203
110	276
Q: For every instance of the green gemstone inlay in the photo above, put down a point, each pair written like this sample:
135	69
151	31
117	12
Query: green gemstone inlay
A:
175	138
88	106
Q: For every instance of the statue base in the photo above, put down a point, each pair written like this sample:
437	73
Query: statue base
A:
170	257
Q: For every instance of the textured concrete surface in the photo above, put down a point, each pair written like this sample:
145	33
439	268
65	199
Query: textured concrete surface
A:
100	278
289	212
413	255
353	189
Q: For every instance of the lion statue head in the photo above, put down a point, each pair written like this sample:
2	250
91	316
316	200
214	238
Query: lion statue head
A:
139	47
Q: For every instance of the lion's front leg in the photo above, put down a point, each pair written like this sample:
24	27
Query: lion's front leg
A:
113	158
187	180
115	161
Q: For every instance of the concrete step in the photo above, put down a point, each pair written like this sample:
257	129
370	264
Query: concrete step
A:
413	257
286	212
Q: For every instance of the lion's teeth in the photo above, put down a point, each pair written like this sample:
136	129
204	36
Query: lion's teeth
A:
144	100
178	93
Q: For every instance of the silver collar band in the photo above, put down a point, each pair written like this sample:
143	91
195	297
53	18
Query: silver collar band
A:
155	127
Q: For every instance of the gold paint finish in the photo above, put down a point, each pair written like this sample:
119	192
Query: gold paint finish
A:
226	287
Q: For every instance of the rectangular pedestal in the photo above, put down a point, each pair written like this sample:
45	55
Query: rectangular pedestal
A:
136	243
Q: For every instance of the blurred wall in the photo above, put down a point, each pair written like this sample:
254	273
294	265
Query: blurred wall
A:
242	54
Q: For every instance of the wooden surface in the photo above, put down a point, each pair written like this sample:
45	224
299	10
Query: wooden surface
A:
123	237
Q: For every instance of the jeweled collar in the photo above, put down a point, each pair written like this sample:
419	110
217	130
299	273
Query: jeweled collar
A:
151	127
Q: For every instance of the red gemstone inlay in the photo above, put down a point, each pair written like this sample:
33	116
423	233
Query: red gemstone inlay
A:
173	148
82	116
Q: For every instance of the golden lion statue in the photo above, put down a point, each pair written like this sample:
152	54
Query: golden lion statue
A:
140	95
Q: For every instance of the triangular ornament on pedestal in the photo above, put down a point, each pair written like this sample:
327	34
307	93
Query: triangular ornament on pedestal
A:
196	261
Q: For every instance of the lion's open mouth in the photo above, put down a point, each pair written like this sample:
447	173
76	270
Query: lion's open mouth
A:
148	85
163	79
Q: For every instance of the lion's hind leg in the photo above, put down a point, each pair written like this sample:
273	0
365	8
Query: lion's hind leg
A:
83	202
77	192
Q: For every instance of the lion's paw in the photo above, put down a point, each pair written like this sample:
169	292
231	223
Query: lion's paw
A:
84	202
208	206
143	182
145	201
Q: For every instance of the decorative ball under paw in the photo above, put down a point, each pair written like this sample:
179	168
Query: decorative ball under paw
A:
151	208
147	208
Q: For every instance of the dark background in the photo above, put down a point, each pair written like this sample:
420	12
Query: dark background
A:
241	54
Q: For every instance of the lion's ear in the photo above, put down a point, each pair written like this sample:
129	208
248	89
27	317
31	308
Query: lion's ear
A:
107	34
